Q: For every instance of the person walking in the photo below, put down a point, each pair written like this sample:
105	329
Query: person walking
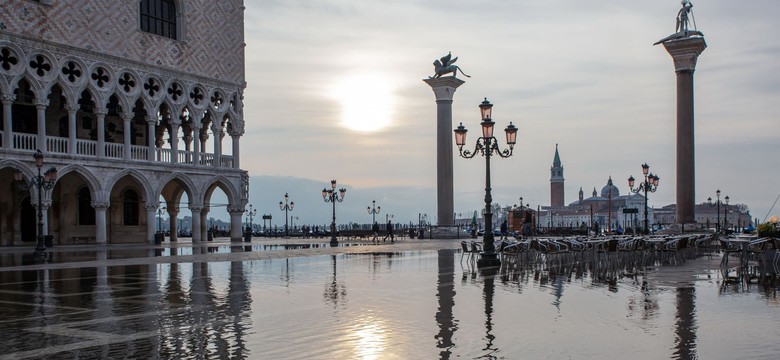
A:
503	230
389	229
375	229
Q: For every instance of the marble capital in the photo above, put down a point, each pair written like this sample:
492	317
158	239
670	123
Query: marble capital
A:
685	52
444	87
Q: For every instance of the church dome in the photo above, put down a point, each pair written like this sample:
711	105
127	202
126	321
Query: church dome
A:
605	191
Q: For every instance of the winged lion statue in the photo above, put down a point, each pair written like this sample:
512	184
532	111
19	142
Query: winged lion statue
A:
445	66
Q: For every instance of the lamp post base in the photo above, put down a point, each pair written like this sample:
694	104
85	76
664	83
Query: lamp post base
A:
334	242
488	260
39	245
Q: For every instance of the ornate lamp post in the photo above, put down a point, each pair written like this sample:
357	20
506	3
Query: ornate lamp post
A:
159	217
251	213
649	184
40	183
373	210
717	203
487	145
286	207
332	196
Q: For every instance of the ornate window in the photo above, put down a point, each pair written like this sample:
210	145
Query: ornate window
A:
130	207
159	17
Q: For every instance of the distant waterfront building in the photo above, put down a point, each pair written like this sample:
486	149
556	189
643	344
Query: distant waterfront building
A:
610	209
131	102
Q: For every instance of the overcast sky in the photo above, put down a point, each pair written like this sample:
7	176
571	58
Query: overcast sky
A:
581	74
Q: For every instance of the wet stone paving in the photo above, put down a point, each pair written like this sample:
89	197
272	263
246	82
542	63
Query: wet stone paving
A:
412	299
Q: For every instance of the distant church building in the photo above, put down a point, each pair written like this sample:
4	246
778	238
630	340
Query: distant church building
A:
556	181
612	210
131	101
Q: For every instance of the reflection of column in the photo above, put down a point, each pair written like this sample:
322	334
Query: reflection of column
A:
446	296
685	324
444	89
685	52
239	306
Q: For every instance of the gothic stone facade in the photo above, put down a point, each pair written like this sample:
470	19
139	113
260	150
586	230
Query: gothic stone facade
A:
130	101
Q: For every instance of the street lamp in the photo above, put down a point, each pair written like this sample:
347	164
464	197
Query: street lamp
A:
487	145
649	184
41	183
717	203
373	210
251	213
159	218
332	196
286	207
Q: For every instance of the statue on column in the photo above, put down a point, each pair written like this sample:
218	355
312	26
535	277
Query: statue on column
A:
445	66
683	21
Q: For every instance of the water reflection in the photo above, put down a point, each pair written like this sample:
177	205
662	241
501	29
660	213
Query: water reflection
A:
335	291
446	297
489	287
254	309
685	326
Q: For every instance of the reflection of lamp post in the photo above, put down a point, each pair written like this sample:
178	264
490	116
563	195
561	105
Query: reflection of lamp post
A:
373	210
649	184
330	195
487	145
286	207
40	183
717	203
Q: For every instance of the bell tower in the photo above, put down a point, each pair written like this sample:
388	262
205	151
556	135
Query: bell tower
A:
556	181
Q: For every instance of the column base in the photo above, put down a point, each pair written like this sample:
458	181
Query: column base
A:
446	232
334	242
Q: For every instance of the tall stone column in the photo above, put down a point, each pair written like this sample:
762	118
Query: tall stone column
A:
685	52
151	209
72	128
101	230
8	133
444	90
197	232
100	114
235	223
40	108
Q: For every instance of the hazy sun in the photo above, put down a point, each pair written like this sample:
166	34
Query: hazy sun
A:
366	101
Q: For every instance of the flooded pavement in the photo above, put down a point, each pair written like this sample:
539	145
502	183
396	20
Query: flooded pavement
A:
408	300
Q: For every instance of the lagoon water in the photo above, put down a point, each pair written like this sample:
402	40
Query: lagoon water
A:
390	304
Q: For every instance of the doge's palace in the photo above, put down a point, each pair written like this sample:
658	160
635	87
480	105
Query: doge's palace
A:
130	101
